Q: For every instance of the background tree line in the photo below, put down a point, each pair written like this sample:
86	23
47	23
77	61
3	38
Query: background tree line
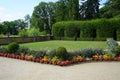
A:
46	14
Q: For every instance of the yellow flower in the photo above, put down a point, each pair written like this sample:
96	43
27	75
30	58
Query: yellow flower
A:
45	58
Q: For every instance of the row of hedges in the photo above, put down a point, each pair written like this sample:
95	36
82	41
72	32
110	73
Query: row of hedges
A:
93	30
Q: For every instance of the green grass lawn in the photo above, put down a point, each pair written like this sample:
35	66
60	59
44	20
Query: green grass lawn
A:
70	45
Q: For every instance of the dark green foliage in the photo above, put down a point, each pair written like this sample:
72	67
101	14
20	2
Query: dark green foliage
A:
118	34
88	52
39	54
3	50
117	50
111	9
98	29
106	29
111	45
61	52
89	9
43	16
71	30
51	53
58	30
13	47
24	50
98	51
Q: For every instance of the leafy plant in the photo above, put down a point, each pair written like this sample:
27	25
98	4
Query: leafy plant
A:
3	49
108	55
13	47
117	50
61	52
51	53
33	32
23	33
98	51
111	45
39	54
88	52
24	50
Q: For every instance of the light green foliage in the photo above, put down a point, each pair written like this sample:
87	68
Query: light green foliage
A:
22	33
33	32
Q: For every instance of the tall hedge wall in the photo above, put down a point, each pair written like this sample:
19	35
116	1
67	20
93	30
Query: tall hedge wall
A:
98	29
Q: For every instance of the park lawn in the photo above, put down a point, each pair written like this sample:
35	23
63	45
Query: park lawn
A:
69	45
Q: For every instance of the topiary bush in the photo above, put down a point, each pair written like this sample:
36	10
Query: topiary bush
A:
13	47
61	52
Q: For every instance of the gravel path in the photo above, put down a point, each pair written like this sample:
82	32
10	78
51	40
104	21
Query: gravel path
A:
12	69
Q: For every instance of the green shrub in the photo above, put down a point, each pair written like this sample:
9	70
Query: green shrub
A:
117	50
98	29
61	52
58	30
109	54
33	32
98	51
43	33
13	47
3	50
23	33
71	30
88	52
51	53
24	50
39	54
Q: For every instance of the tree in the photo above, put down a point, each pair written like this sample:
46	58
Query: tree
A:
61	13
27	20
43	16
111	9
90	9
73	8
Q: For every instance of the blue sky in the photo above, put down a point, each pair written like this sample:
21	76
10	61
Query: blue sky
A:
17	9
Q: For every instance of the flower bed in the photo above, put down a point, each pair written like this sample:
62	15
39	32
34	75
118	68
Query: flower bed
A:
61	56
45	60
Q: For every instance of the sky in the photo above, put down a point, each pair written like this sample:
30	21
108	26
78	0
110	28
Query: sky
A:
17	9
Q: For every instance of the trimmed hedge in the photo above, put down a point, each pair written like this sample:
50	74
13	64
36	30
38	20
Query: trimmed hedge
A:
98	29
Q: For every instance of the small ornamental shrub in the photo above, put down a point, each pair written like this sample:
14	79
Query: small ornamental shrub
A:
51	53
117	50
39	54
23	33
61	52
3	50
23	50
88	52
111	45
13	47
98	51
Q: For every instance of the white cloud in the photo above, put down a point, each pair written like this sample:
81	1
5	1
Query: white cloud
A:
6	15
